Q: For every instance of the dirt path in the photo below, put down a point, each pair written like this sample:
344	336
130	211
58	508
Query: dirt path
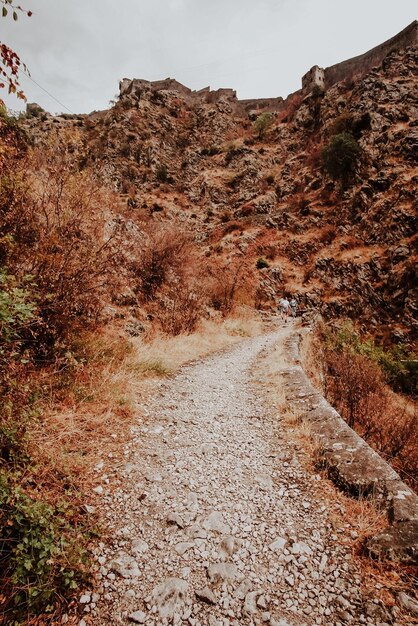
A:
214	520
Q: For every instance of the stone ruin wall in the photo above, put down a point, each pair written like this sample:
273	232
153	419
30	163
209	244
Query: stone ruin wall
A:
352	69
256	105
138	86
359	66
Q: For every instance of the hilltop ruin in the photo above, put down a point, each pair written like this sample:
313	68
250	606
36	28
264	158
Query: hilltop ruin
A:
317	77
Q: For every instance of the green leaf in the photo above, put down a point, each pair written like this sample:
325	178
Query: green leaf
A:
15	16
4	12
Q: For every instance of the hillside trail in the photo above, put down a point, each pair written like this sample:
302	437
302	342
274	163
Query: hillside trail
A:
213	519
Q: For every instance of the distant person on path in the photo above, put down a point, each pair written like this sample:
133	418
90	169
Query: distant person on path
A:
293	307
284	305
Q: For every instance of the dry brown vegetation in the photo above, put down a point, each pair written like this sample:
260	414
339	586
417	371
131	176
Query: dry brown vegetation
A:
73	271
356	386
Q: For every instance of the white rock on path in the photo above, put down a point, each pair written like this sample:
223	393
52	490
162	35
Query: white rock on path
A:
215	523
125	565
169	597
138	617
278	544
223	572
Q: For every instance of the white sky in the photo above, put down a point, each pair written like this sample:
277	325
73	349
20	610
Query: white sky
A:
78	50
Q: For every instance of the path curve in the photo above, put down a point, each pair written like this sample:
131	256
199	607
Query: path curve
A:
214	521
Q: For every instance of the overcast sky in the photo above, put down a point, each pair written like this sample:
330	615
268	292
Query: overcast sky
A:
78	50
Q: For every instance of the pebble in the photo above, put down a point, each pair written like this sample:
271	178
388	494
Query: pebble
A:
138	617
232	529
85	598
206	595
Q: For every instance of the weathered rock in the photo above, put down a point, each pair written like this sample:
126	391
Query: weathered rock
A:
139	617
278	544
407	603
223	572
250	603
229	545
139	546
125	565
215	523
206	595
169	597
182	547
397	543
175	520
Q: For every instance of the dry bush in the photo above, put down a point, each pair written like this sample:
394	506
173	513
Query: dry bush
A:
163	253
299	202
328	234
224	282
170	280
268	250
314	156
180	305
355	386
231	227
53	228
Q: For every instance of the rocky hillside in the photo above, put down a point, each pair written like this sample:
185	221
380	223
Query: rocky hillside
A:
259	193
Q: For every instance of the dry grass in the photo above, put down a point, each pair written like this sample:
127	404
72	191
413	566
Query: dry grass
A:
97	411
311	352
166	354
379	580
292	425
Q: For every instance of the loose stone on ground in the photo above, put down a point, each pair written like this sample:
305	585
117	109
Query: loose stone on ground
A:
231	530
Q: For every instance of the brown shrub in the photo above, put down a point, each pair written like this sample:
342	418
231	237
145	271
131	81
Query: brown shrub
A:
53	227
231	227
223	284
164	253
355	386
180	305
327	234
247	209
314	157
170	280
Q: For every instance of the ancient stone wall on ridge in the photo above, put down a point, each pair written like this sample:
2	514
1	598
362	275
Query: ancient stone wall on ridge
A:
352	69
359	66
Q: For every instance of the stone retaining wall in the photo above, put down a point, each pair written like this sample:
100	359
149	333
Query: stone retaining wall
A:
353	465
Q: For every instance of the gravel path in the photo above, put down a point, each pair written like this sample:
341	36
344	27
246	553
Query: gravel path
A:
213	520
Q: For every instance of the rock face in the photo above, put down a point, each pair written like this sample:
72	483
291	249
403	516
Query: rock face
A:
196	159
34	110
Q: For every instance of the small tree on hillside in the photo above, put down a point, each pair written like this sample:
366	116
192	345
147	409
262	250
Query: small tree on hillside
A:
262	123
340	157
